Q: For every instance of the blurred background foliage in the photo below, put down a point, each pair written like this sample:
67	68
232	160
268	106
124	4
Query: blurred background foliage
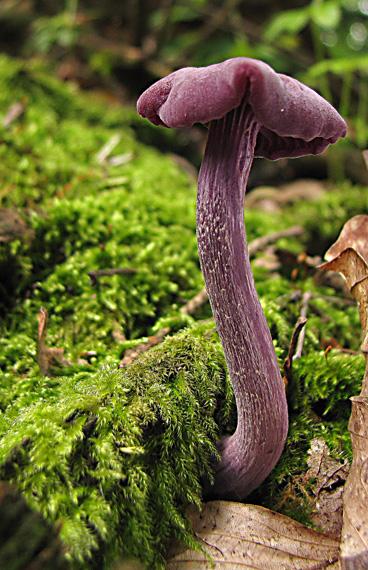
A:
124	46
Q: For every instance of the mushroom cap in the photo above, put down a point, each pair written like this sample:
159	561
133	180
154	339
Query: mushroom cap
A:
294	120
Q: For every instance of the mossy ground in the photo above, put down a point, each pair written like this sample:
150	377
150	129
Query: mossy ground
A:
116	455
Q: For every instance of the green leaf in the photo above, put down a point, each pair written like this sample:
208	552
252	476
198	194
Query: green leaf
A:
325	14
288	22
337	66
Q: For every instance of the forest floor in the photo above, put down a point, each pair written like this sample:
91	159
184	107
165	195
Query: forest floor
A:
98	269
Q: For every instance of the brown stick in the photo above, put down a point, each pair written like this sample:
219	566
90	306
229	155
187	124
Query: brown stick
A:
15	112
288	364
262	242
303	314
94	275
195	304
133	353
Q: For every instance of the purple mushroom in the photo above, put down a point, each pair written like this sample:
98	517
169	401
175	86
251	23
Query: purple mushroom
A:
251	111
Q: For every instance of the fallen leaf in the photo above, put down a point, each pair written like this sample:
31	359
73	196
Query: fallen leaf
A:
354	540
351	263
355	270
327	476
240	536
353	234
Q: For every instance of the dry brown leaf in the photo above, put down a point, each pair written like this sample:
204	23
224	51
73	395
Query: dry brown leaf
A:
353	234
354	539
240	536
351	263
327	476
355	270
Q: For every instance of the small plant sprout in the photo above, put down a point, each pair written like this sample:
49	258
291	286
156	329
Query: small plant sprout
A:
251	111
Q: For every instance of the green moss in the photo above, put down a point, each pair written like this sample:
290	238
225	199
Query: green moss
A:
117	456
84	215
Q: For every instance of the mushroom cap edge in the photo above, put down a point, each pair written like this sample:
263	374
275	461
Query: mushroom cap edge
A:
294	119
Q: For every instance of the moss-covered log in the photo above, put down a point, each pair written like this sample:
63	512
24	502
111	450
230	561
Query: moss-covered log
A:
116	457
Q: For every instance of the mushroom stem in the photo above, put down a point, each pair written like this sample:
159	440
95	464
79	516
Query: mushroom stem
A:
251	452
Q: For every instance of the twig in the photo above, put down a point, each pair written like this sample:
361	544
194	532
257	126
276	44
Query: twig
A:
288	363
133	353
94	275
303	314
331	299
189	309
107	148
121	159
297	295
195	304
262	242
15	112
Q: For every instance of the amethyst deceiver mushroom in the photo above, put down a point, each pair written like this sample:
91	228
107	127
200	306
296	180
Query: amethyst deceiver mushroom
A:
251	111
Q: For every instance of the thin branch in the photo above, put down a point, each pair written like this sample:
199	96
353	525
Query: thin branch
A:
195	304
288	364
15	112
107	148
303	314
297	295
189	309
262	242
94	275
133	353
